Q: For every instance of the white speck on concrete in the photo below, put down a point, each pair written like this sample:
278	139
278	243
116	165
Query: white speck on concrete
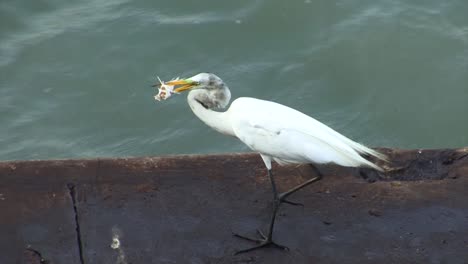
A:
116	245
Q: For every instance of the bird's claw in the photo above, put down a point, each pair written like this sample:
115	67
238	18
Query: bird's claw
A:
262	242
282	199
291	203
260	233
258	241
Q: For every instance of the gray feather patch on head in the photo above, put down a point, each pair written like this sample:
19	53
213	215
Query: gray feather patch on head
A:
217	93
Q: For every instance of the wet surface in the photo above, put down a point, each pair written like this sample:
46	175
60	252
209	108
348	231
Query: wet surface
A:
183	209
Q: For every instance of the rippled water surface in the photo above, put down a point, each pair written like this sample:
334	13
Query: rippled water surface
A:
75	76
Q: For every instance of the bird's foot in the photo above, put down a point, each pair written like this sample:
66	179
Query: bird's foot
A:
264	241
282	199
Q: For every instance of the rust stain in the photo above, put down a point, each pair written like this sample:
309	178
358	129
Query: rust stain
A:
145	188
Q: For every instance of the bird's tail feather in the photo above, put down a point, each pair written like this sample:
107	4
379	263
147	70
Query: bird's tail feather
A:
347	151
350	153
361	149
355	158
354	145
372	165
365	150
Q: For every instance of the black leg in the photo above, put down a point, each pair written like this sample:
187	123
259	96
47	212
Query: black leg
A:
267	241
282	197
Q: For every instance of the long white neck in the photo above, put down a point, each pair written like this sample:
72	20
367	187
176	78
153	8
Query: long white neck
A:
219	121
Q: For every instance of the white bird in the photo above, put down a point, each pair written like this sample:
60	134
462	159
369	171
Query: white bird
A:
275	131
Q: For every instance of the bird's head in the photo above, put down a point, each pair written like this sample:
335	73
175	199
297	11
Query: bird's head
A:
214	94
199	81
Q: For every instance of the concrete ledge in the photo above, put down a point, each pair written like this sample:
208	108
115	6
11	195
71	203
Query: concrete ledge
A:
182	209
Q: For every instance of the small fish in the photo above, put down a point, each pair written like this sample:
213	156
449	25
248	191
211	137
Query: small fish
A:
165	91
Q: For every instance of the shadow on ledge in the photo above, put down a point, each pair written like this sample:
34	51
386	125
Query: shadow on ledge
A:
182	209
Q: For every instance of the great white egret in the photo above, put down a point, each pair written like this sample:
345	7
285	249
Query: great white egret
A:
275	131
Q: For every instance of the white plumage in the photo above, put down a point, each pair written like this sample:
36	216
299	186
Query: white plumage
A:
275	131
288	136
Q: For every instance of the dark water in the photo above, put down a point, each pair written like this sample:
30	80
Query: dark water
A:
75	76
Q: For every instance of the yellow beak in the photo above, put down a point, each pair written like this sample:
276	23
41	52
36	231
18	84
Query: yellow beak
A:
186	85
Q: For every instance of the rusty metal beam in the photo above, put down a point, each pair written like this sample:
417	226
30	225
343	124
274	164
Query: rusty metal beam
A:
182	209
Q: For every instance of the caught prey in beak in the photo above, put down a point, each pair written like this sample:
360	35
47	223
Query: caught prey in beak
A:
166	89
186	84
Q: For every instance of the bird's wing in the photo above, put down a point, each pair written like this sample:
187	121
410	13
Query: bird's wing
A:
292	136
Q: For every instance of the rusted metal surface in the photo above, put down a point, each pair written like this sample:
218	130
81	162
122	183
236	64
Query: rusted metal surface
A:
183	209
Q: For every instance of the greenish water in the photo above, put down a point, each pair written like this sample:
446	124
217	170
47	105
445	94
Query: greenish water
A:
75	76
